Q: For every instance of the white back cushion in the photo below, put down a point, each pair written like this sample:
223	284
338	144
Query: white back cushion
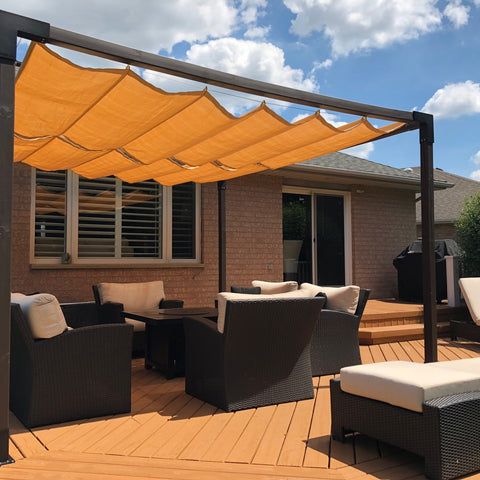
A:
342	299
134	296
470	288
270	288
43	313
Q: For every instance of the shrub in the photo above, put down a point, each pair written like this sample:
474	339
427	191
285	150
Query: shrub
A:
468	236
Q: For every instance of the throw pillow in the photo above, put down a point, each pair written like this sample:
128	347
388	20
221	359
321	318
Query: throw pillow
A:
270	288
43	313
343	299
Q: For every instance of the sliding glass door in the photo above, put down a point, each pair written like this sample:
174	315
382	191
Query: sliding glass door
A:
316	236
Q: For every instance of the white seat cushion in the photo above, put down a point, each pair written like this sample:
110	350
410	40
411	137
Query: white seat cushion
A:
409	385
138	326
342	299
470	288
269	288
43	313
134	296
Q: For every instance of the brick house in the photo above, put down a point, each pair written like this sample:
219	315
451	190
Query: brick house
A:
374	208
447	202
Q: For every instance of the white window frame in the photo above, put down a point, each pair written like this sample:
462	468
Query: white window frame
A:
71	229
347	225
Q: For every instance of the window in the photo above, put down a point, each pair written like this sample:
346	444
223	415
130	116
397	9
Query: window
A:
105	220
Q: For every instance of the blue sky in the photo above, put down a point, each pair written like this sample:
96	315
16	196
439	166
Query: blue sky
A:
403	54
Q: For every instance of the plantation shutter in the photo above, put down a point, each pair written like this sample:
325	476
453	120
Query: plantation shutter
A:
142	217
96	217
183	221
50	213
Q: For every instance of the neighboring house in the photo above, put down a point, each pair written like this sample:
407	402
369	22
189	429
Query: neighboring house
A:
70	233
447	203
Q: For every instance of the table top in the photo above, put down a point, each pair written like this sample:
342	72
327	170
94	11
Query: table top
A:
173	315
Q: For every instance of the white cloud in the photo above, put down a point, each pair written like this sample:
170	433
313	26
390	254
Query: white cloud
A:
455	100
319	65
475	175
355	25
361	151
257	32
251	10
151	26
457	13
476	158
259	60
262	61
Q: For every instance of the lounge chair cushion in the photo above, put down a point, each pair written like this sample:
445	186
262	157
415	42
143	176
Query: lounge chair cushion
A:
270	288
43	313
342	299
409	385
134	296
470	288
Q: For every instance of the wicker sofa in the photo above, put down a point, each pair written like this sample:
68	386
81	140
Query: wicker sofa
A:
335	338
81	373
335	341
258	353
432	410
113	298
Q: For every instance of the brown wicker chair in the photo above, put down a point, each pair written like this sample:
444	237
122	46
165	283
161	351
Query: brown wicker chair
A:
335	339
262	358
81	373
111	312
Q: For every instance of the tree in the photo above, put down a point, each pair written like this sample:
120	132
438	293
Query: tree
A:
468	236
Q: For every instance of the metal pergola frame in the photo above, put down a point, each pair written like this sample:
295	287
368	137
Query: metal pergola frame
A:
13	26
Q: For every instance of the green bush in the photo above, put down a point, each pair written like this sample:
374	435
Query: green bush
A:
468	236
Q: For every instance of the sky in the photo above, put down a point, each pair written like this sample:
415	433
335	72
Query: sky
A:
402	54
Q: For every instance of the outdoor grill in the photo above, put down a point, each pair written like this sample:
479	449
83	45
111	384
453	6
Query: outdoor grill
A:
409	269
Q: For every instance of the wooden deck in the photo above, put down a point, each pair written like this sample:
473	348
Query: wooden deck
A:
170	435
391	320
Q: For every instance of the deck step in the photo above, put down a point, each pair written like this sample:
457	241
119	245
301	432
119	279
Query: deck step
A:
397	333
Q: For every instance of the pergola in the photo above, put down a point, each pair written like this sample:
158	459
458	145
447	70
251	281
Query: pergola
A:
13	26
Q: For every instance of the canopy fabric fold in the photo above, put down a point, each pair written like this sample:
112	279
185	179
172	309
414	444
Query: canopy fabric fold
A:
101	122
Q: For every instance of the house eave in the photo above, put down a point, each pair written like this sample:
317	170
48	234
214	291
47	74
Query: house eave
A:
341	176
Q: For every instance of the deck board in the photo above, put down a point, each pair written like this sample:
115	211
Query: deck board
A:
171	435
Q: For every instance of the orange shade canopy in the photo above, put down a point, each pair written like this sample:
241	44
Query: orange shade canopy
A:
101	122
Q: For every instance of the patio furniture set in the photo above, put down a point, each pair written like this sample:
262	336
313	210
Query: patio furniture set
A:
260	346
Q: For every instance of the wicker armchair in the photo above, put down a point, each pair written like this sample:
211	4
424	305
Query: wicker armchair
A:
261	358
111	312
335	339
81	373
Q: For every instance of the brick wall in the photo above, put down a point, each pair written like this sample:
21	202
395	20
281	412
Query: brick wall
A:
254	230
254	238
383	224
442	231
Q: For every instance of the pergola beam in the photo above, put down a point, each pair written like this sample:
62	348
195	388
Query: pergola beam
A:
13	26
141	59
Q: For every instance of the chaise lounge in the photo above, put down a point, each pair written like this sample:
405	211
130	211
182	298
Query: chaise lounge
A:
432	410
470	329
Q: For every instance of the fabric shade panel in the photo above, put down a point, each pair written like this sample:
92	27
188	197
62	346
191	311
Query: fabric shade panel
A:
101	122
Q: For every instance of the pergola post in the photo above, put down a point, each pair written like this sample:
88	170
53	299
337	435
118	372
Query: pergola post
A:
428	235
10	26
7	83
